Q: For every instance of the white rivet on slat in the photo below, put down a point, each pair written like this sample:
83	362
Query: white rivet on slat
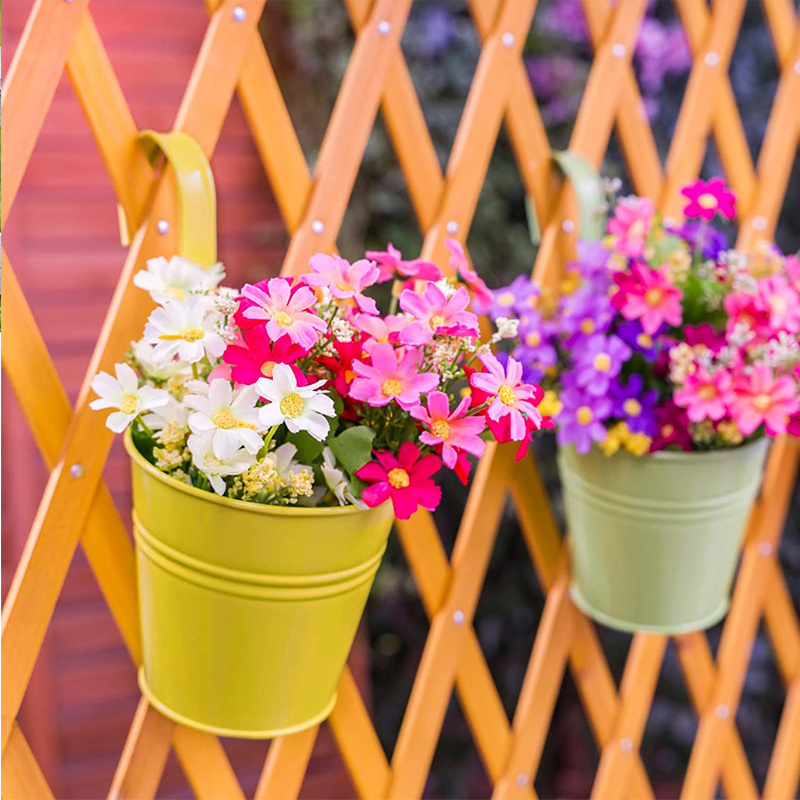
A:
568	226
508	39
384	27
765	549
239	14
712	58
162	226
522	781
458	617
318	226
626	744
618	50
722	711
452	227
76	470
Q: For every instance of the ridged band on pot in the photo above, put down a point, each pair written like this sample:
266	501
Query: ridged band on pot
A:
655	539
248	612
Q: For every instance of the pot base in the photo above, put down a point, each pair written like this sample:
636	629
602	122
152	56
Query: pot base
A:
630	626
267	734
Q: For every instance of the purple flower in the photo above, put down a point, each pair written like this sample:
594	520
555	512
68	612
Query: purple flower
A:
516	298
636	406
565	18
598	360
714	241
592	264
581	419
535	348
661	50
632	333
584	312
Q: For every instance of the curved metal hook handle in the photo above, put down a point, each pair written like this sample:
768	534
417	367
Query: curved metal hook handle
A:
197	197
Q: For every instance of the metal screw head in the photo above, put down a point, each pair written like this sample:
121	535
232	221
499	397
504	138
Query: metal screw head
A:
568	226
722	711
712	58
760	223
508	39
619	50
384	27
765	549
76	470
626	744
452	227
318	226
162	226
458	617
239	14
522	780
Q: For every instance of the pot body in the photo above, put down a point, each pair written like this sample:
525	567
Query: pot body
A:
655	540
248	612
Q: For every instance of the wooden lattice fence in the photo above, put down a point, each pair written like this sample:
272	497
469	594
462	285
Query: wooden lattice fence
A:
77	507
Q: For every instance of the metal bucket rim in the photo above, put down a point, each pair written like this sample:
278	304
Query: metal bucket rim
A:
242	505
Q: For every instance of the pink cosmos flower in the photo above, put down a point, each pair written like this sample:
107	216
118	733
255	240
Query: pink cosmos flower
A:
257	356
392	265
393	375
346	281
649	296
434	313
453	431
744	310
782	303
632	220
705	396
708	198
482	297
404	479
380	329
759	397
510	397
284	310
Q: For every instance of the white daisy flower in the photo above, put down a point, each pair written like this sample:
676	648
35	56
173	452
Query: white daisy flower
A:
301	408
186	329
336	481
215	468
172	411
143	353
124	394
229	417
177	278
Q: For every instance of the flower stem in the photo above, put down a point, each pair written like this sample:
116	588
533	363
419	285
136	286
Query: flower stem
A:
265	449
195	373
145	427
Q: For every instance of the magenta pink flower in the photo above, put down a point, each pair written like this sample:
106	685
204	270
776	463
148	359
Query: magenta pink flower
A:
632	220
404	479
380	329
392	375
509	396
759	397
744	310
649	296
257	356
708	198
705	396
454	432
782	303
482	297
284	309
435	313
392	265
346	281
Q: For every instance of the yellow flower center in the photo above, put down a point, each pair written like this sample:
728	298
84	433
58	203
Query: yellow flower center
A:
707	201
533	339
344	286
602	362
632	407
177	292
507	396
189	335
644	340
441	428
587	326
224	418
282	319
654	297
349	375
667	430
762	402
779	304
707	392
391	387
636	230
436	321
584	415
506	299
267	368
129	404
398	478
292	405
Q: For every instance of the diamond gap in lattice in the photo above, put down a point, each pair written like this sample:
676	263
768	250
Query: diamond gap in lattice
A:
788	237
616	164
456	770
309	44
442	48
499	241
570	756
247	759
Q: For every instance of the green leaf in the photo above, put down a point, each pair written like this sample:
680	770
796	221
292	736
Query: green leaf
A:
589	191
308	448
353	448
534	230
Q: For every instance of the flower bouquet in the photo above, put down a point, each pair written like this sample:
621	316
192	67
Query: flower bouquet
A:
275	433
668	361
